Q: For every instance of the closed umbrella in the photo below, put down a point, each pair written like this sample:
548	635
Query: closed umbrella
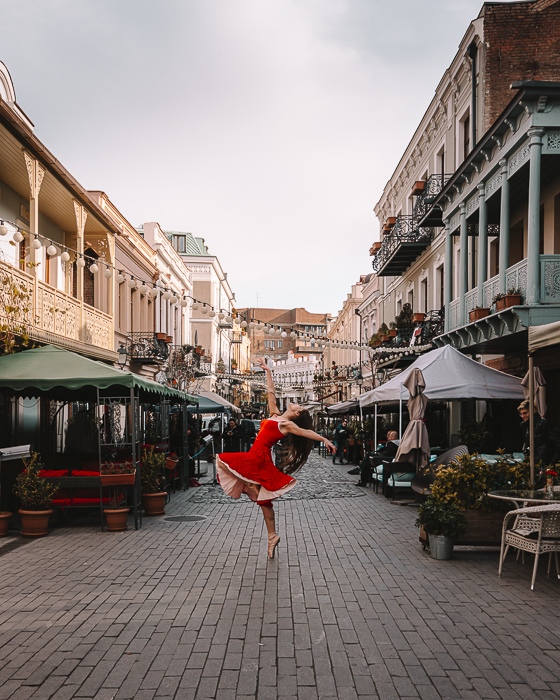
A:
539	390
415	446
534	388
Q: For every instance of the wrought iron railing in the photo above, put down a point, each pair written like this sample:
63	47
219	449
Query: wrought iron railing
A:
434	185
146	347
405	230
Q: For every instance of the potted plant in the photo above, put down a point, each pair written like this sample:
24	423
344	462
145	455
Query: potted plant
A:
467	481
115	474
478	312
393	330
151	481
35	494
443	521
512	297
161	336
417	318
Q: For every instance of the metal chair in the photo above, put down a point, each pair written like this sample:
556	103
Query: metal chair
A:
423	480
536	529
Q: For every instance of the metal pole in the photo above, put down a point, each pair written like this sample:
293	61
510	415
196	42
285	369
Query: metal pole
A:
400	415
375	428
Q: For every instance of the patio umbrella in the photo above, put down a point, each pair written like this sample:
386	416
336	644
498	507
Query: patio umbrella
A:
414	446
538	389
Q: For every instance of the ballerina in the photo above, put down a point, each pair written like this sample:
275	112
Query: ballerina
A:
254	472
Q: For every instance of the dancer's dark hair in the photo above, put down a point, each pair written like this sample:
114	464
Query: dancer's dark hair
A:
298	447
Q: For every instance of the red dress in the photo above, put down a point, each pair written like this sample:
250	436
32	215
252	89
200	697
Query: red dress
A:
236	469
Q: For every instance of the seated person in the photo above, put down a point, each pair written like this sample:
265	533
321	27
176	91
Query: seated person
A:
374	459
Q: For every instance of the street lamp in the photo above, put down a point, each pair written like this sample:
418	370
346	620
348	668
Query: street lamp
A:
122	357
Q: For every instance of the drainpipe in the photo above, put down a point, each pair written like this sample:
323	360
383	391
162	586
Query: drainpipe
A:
472	53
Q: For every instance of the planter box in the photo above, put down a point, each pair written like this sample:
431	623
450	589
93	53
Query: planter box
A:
118	479
391	221
484	529
418	188
393	333
418	318
508	300
477	314
161	336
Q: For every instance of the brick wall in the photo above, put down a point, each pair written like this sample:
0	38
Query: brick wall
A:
522	43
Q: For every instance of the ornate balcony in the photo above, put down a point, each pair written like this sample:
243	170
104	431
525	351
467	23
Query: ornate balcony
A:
147	348
425	213
49	315
401	246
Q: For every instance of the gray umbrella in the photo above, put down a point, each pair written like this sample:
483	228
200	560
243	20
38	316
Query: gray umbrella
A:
415	446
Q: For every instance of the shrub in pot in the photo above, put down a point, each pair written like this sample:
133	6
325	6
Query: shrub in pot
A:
35	494
441	520
115	474
151	481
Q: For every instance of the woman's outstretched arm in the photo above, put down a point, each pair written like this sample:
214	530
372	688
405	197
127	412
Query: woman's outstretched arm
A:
290	427
272	405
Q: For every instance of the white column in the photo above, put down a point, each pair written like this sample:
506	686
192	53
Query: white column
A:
463	264
504	227
482	272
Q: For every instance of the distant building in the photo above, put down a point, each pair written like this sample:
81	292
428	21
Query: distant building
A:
294	331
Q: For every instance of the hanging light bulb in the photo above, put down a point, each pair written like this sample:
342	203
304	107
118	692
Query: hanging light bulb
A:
184	302
195	306
271	330
204	309
221	315
166	295
154	291
143	289
243	324
293	334
173	299
65	257
80	262
132	283
284	334
211	313
259	325
3	229
36	243
107	272
229	319
52	251
120	278
18	236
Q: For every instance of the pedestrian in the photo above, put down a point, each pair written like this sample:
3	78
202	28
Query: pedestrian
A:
254	472
340	437
232	436
546	438
248	433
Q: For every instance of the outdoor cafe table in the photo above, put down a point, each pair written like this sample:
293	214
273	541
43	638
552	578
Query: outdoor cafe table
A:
521	496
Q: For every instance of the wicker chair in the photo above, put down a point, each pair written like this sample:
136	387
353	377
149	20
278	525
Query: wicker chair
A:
535	529
423	480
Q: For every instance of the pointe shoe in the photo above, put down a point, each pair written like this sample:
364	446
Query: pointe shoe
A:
273	541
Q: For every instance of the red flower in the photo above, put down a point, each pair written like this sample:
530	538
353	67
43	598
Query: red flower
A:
551	472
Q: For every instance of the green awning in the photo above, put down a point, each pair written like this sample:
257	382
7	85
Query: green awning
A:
58	373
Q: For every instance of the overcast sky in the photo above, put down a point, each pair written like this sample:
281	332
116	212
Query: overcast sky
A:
267	127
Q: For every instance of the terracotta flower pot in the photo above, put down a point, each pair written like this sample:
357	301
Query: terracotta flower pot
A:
508	300
417	318
116	519
477	314
34	523
393	333
4	522
161	336
154	503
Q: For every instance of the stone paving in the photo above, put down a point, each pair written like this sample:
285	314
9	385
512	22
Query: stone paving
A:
352	607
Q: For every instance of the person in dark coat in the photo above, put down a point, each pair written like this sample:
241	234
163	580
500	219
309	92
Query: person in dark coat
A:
248	433
232	437
374	459
546	439
339	439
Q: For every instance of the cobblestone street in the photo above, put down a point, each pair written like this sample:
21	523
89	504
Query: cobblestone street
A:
352	607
